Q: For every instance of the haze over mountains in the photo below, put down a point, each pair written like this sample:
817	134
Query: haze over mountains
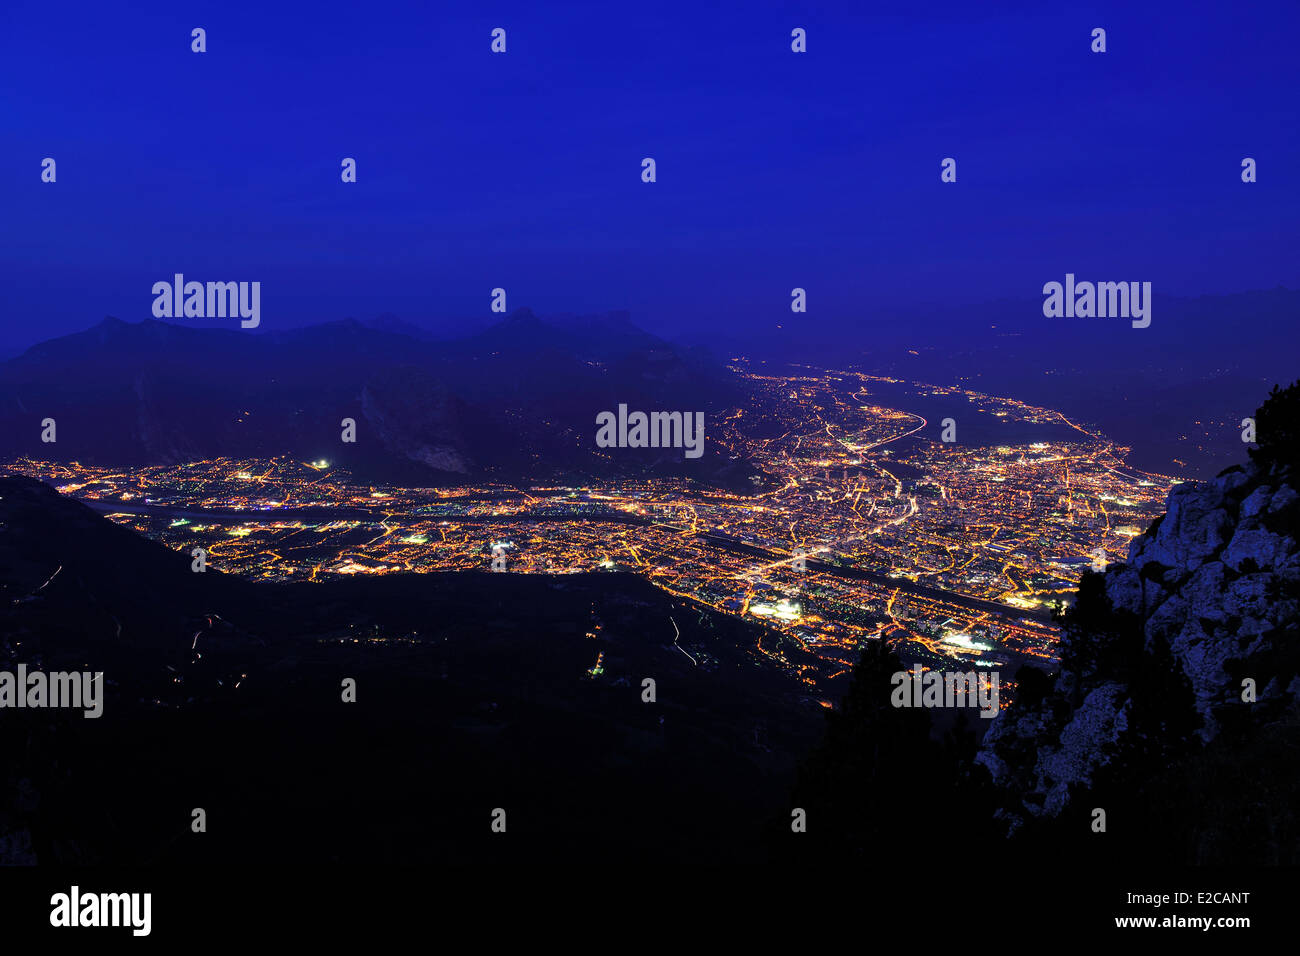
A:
1175	392
515	402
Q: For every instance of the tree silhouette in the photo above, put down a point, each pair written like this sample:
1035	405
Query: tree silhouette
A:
876	764
1277	428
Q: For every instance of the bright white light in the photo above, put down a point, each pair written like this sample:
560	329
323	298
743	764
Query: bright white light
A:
967	642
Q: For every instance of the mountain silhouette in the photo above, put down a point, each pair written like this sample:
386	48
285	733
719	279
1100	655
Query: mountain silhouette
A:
516	402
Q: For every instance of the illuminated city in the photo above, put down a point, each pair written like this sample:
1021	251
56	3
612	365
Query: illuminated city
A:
689	436
865	526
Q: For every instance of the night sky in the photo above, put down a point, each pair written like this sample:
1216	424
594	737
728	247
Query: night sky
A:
523	170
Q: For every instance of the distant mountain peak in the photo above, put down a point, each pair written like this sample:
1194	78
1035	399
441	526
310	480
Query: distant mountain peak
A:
522	316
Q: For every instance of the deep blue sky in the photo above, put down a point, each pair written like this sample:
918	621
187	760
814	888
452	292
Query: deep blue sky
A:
523	170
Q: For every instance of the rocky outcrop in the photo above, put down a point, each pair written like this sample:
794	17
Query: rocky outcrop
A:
1216	582
416	420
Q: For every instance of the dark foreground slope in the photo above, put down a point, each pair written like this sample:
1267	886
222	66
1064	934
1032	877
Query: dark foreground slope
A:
473	693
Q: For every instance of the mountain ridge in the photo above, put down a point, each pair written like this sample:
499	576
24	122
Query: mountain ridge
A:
516	402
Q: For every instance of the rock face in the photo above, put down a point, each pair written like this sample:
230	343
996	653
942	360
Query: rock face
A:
1219	583
1216	580
418	424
